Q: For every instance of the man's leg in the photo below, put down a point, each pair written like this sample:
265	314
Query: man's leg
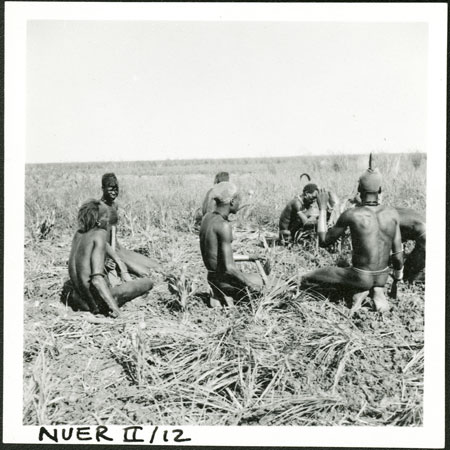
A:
333	276
225	293
76	302
136	263
131	289
380	300
348	277
357	300
285	236
255	279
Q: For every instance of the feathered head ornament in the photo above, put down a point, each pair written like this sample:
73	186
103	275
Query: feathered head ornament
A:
370	180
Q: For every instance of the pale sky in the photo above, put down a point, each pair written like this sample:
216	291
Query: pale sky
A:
109	91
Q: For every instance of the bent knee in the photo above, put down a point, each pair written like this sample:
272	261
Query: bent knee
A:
148	284
255	278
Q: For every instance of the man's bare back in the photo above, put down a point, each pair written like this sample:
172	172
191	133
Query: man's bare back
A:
412	228
212	227
227	282
91	289
373	229
83	245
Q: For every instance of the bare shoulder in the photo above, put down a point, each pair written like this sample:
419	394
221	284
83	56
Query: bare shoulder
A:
99	235
296	203
390	211
223	229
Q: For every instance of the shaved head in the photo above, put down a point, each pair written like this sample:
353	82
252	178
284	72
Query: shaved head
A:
224	192
221	176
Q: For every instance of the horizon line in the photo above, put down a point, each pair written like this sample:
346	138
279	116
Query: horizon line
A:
227	159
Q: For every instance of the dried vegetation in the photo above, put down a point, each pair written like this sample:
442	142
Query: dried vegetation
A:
285	358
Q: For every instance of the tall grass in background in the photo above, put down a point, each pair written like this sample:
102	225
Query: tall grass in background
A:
166	194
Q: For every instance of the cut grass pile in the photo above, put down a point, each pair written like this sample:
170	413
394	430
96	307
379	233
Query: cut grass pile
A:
285	358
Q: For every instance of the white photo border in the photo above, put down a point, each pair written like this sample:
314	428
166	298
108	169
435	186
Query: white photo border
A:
432	433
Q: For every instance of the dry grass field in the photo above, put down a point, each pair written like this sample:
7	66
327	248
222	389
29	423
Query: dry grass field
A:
285	358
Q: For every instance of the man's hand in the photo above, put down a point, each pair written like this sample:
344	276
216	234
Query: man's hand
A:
124	274
322	198
110	264
254	288
397	275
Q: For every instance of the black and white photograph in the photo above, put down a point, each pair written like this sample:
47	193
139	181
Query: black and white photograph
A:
216	224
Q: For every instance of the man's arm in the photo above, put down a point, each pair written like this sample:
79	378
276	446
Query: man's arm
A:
328	237
120	264
299	208
334	202
97	272
226	253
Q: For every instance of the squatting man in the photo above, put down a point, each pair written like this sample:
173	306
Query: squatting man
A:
91	290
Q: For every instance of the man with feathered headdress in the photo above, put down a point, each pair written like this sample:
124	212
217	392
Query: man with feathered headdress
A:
375	234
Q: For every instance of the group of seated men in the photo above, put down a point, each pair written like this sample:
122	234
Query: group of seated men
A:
376	233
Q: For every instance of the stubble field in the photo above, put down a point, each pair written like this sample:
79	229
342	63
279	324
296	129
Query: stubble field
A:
285	358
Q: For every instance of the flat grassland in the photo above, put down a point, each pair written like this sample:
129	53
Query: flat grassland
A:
285	358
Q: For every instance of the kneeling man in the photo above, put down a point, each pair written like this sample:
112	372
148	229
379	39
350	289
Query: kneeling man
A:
91	289
375	233
227	282
412	228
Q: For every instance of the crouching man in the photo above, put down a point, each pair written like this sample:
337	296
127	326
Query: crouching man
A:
375	234
301	213
226	281
91	289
